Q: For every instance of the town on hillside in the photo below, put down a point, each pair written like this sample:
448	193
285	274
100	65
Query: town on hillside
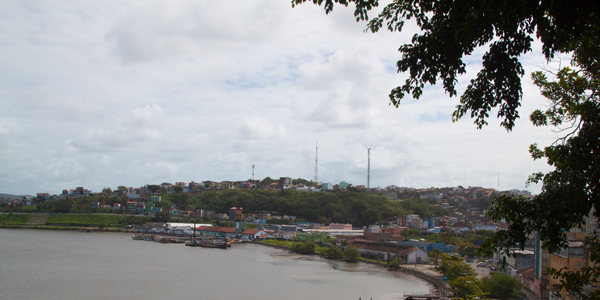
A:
409	239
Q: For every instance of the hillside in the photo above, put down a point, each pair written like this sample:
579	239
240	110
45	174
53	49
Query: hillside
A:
8	197
356	207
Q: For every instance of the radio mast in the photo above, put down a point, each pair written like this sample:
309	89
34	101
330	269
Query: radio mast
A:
369	169
317	163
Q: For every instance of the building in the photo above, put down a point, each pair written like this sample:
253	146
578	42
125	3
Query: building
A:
417	223
285	182
395	230
80	192
236	213
390	251
217	231
251	234
340	226
572	258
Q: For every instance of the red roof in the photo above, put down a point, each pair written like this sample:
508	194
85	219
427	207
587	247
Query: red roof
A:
217	229
251	231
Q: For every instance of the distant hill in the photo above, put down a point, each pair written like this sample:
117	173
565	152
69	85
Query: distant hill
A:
8	197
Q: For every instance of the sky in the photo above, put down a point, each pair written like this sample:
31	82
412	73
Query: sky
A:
108	93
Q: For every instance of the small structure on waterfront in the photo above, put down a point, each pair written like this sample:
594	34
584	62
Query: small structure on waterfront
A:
423	297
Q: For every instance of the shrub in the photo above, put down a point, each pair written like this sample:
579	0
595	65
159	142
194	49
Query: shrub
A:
395	264
304	248
333	251
351	254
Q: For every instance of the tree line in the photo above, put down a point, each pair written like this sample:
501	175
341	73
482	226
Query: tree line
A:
356	207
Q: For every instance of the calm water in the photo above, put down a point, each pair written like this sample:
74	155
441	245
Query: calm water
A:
37	264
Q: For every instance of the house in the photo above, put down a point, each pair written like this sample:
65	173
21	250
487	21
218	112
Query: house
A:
154	227
95	204
216	231
518	262
340	226
383	236
236	213
251	234
41	198
139	206
284	182
390	251
80	192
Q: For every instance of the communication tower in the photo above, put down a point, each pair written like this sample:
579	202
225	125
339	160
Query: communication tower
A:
317	163
252	173
369	168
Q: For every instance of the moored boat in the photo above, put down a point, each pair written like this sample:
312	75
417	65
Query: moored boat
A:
209	242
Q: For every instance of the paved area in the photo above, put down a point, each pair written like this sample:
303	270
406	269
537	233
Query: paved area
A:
481	271
428	269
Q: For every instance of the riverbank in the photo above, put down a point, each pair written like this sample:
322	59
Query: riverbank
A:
77	265
420	271
41	222
54	221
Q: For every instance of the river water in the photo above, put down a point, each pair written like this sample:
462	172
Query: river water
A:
40	264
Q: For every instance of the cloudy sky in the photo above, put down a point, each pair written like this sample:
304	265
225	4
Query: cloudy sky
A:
109	93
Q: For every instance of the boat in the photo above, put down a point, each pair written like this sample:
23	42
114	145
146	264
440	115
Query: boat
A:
163	240
138	237
209	242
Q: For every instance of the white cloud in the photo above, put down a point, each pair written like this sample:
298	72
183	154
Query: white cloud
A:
145	125
257	128
100	93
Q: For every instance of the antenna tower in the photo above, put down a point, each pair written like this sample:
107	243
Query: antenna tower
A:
369	169
317	163
252	173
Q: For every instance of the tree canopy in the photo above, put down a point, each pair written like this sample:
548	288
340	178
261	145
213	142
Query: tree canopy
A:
451	30
359	208
502	286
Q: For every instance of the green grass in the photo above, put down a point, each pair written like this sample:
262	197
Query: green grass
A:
287	244
84	220
14	219
378	261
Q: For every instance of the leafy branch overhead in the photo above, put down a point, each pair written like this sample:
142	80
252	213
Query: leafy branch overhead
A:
452	30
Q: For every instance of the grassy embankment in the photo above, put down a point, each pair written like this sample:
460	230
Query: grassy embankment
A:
15	219
62	221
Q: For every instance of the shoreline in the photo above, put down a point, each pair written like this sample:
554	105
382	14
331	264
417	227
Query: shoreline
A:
439	286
